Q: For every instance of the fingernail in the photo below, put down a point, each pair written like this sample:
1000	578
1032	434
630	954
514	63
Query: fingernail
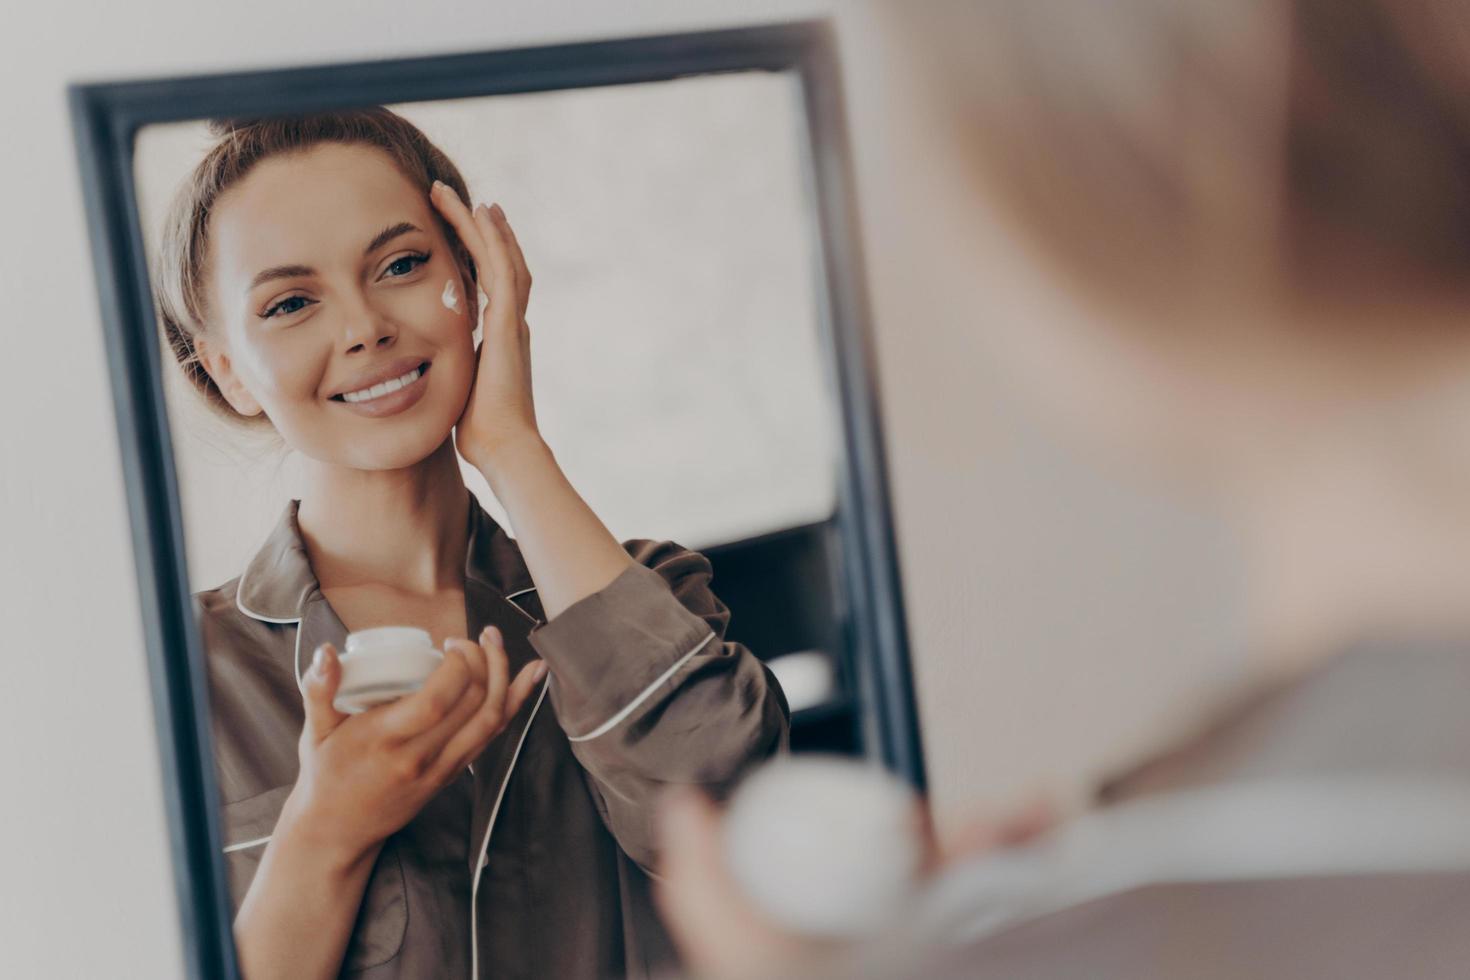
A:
539	671
436	185
497	210
316	659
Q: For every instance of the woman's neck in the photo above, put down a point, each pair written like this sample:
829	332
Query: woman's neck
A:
404	529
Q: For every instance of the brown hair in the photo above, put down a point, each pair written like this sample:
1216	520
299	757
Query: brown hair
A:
1315	150
179	276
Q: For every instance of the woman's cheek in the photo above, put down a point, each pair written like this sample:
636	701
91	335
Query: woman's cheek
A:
296	374
288	377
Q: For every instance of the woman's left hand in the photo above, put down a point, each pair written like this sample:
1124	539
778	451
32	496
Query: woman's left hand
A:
724	935
500	412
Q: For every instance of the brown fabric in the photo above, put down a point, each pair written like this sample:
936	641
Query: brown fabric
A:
1370	710
564	890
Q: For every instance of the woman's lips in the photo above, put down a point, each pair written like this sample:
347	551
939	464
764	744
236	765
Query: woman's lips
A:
394	401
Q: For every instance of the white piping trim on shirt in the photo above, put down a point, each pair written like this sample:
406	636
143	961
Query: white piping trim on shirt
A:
518	606
247	843
240	587
296	659
485	841
643	695
296	654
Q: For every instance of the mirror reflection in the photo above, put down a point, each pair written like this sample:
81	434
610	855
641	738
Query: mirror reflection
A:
482	568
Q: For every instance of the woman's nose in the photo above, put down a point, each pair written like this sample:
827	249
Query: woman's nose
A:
367	330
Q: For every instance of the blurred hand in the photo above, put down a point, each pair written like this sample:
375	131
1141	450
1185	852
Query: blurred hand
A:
721	932
981	833
365	776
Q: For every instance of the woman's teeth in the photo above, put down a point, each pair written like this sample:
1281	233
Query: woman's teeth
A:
383	388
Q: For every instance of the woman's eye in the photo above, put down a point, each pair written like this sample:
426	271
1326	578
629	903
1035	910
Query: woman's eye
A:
406	264
282	306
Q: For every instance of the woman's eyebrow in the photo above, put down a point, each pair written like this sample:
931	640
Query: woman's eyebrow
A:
290	271
388	234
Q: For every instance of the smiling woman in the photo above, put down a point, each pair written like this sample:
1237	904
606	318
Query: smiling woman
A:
309	279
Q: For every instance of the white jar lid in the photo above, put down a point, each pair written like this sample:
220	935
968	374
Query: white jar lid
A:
384	638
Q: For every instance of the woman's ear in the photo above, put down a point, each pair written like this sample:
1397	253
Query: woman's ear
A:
216	364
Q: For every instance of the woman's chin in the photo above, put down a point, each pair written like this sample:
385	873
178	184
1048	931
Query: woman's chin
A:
402	453
383	450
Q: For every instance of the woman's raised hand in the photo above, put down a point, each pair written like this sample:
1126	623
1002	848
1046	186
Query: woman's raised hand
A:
500	411
364	776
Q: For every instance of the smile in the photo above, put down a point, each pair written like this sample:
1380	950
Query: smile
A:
384	388
387	398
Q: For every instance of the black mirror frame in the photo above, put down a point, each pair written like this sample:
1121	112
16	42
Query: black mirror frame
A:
105	119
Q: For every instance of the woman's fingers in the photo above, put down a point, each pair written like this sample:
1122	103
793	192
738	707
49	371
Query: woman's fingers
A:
471	740
517	257
508	314
520	690
983	832
425	748
455	211
477	230
484	698
424	708
319	687
493	646
471	234
487	688
474	658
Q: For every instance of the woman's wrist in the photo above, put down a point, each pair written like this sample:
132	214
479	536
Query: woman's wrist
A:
511	459
297	915
301	831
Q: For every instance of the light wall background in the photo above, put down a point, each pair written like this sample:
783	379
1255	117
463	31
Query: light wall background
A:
1064	613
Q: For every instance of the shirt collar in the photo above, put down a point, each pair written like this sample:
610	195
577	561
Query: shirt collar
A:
278	580
274	586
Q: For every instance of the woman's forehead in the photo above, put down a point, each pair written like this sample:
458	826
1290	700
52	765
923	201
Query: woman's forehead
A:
311	208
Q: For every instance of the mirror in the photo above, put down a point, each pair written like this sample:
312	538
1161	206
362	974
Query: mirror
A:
669	500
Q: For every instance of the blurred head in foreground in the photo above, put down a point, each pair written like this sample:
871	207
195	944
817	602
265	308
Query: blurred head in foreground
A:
1261	211
1254	220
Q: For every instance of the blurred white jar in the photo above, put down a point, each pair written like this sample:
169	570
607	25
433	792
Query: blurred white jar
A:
825	845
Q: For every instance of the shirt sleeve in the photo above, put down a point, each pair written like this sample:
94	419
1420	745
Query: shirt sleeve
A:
651	694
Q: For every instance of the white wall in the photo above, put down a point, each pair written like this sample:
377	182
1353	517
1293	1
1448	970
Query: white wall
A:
1062	615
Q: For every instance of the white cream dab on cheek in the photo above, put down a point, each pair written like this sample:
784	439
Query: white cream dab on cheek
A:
450	296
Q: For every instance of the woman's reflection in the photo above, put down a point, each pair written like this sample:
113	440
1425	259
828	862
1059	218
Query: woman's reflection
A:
320	275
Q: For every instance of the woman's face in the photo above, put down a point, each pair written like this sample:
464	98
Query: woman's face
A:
327	276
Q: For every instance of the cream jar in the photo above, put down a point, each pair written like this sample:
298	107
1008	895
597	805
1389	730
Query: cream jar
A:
383	664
